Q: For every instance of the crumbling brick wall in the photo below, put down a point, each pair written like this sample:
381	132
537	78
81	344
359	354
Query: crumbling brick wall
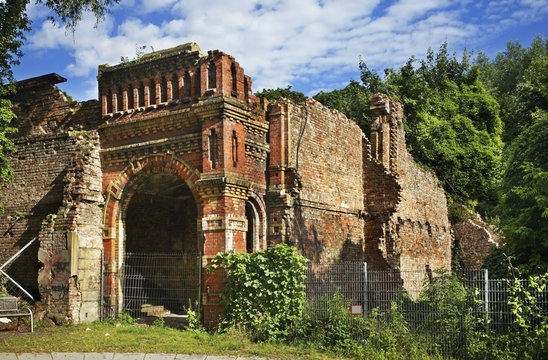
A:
56	196
322	182
475	238
407	228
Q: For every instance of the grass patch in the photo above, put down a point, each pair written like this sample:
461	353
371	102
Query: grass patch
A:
149	339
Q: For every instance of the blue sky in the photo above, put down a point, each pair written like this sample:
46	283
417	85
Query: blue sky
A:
311	45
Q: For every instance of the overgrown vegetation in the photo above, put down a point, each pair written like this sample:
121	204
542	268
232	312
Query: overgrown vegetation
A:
264	291
277	94
451	323
445	320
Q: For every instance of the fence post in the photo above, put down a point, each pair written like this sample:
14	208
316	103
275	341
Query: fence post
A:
365	291
486	297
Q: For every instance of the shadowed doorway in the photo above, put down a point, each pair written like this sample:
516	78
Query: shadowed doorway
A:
161	262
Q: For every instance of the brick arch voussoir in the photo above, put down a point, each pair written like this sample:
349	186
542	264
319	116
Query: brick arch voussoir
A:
128	180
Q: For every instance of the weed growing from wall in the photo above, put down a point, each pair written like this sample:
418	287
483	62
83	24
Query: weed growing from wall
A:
264	291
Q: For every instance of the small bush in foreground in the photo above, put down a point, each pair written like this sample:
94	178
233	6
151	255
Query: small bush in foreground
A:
264	291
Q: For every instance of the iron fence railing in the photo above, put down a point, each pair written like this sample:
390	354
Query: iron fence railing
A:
324	280
478	304
170	281
10	286
154	285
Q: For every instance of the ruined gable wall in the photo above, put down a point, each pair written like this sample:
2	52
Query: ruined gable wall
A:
406	226
324	182
475	238
420	222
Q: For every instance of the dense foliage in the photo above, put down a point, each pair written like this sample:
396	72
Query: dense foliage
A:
452	122
264	291
518	79
481	127
277	94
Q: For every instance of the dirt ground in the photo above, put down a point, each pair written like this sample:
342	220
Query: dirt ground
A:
16	326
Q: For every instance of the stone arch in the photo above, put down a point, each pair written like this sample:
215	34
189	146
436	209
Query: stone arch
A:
256	223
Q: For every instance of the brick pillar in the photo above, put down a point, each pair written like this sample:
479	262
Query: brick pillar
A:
223	192
278	197
224	228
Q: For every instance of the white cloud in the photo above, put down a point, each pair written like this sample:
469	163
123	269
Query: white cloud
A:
280	42
149	6
36	11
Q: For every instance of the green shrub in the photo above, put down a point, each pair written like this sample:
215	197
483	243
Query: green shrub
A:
194	318
389	337
124	318
451	326
159	322
264	291
339	331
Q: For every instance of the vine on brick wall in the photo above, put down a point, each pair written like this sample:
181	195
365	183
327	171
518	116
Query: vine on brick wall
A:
264	291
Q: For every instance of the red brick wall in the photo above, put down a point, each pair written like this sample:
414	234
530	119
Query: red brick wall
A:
406	227
316	169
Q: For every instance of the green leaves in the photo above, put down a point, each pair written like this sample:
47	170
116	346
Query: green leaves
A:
453	124
264	291
279	93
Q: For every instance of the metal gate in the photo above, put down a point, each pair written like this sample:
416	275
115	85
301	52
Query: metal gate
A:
160	284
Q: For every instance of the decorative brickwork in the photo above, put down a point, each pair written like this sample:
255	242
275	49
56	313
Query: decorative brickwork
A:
178	155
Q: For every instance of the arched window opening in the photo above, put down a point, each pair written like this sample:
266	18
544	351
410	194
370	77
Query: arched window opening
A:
119	99
109	102
197	83
141	95
163	90
246	90
252	235
211	76
129	95
234	148
152	92
186	85
234	79
212	148
174	87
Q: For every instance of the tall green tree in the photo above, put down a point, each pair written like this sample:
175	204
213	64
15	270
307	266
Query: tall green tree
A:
524	203
452	122
505	78
353	101
14	23
518	77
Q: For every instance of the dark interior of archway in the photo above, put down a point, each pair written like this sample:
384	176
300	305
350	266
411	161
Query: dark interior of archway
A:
161	264
161	217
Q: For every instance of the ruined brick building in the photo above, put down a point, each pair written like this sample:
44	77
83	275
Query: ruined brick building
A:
178	156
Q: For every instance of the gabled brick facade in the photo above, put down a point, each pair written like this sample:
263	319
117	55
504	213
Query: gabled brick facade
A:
231	172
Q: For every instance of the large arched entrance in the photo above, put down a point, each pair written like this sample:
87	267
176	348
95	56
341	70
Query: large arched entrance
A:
161	266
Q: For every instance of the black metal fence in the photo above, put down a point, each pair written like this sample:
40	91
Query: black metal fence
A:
324	280
159	284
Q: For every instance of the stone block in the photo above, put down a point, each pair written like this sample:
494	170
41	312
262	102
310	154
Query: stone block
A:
89	311
67	356
99	356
